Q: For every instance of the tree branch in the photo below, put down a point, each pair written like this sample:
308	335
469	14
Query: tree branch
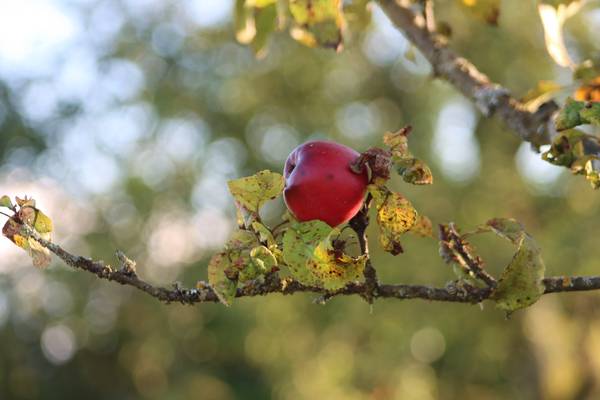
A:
126	274
491	98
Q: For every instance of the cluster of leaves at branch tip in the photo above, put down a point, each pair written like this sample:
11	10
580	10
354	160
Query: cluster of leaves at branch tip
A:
315	23
577	151
26	215
520	284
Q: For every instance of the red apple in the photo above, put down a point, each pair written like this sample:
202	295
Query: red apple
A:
319	183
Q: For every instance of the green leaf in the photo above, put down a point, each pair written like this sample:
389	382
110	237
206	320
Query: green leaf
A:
318	22
579	152
253	191
566	148
223	287
520	284
312	260
576	113
6	202
264	234
299	244
395	216
488	10
590	113
42	223
262	260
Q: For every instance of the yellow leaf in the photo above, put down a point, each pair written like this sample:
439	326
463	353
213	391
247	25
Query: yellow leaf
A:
395	216
6	202
318	22
253	191
312	260
334	271
42	223
223	287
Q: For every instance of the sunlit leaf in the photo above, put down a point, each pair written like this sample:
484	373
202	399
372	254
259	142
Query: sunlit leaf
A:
36	219
6	202
223	287
488	10
553	18
318	22
395	216
42	223
253	191
39	254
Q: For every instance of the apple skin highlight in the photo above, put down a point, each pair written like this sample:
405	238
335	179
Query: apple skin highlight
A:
319	183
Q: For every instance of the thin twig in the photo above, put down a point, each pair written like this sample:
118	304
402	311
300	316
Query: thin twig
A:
457	250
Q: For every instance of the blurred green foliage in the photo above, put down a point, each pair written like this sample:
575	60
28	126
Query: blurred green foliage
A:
126	134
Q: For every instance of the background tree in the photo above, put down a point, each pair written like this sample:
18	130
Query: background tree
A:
125	119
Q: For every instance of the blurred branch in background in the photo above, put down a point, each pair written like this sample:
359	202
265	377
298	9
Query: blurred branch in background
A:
490	98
